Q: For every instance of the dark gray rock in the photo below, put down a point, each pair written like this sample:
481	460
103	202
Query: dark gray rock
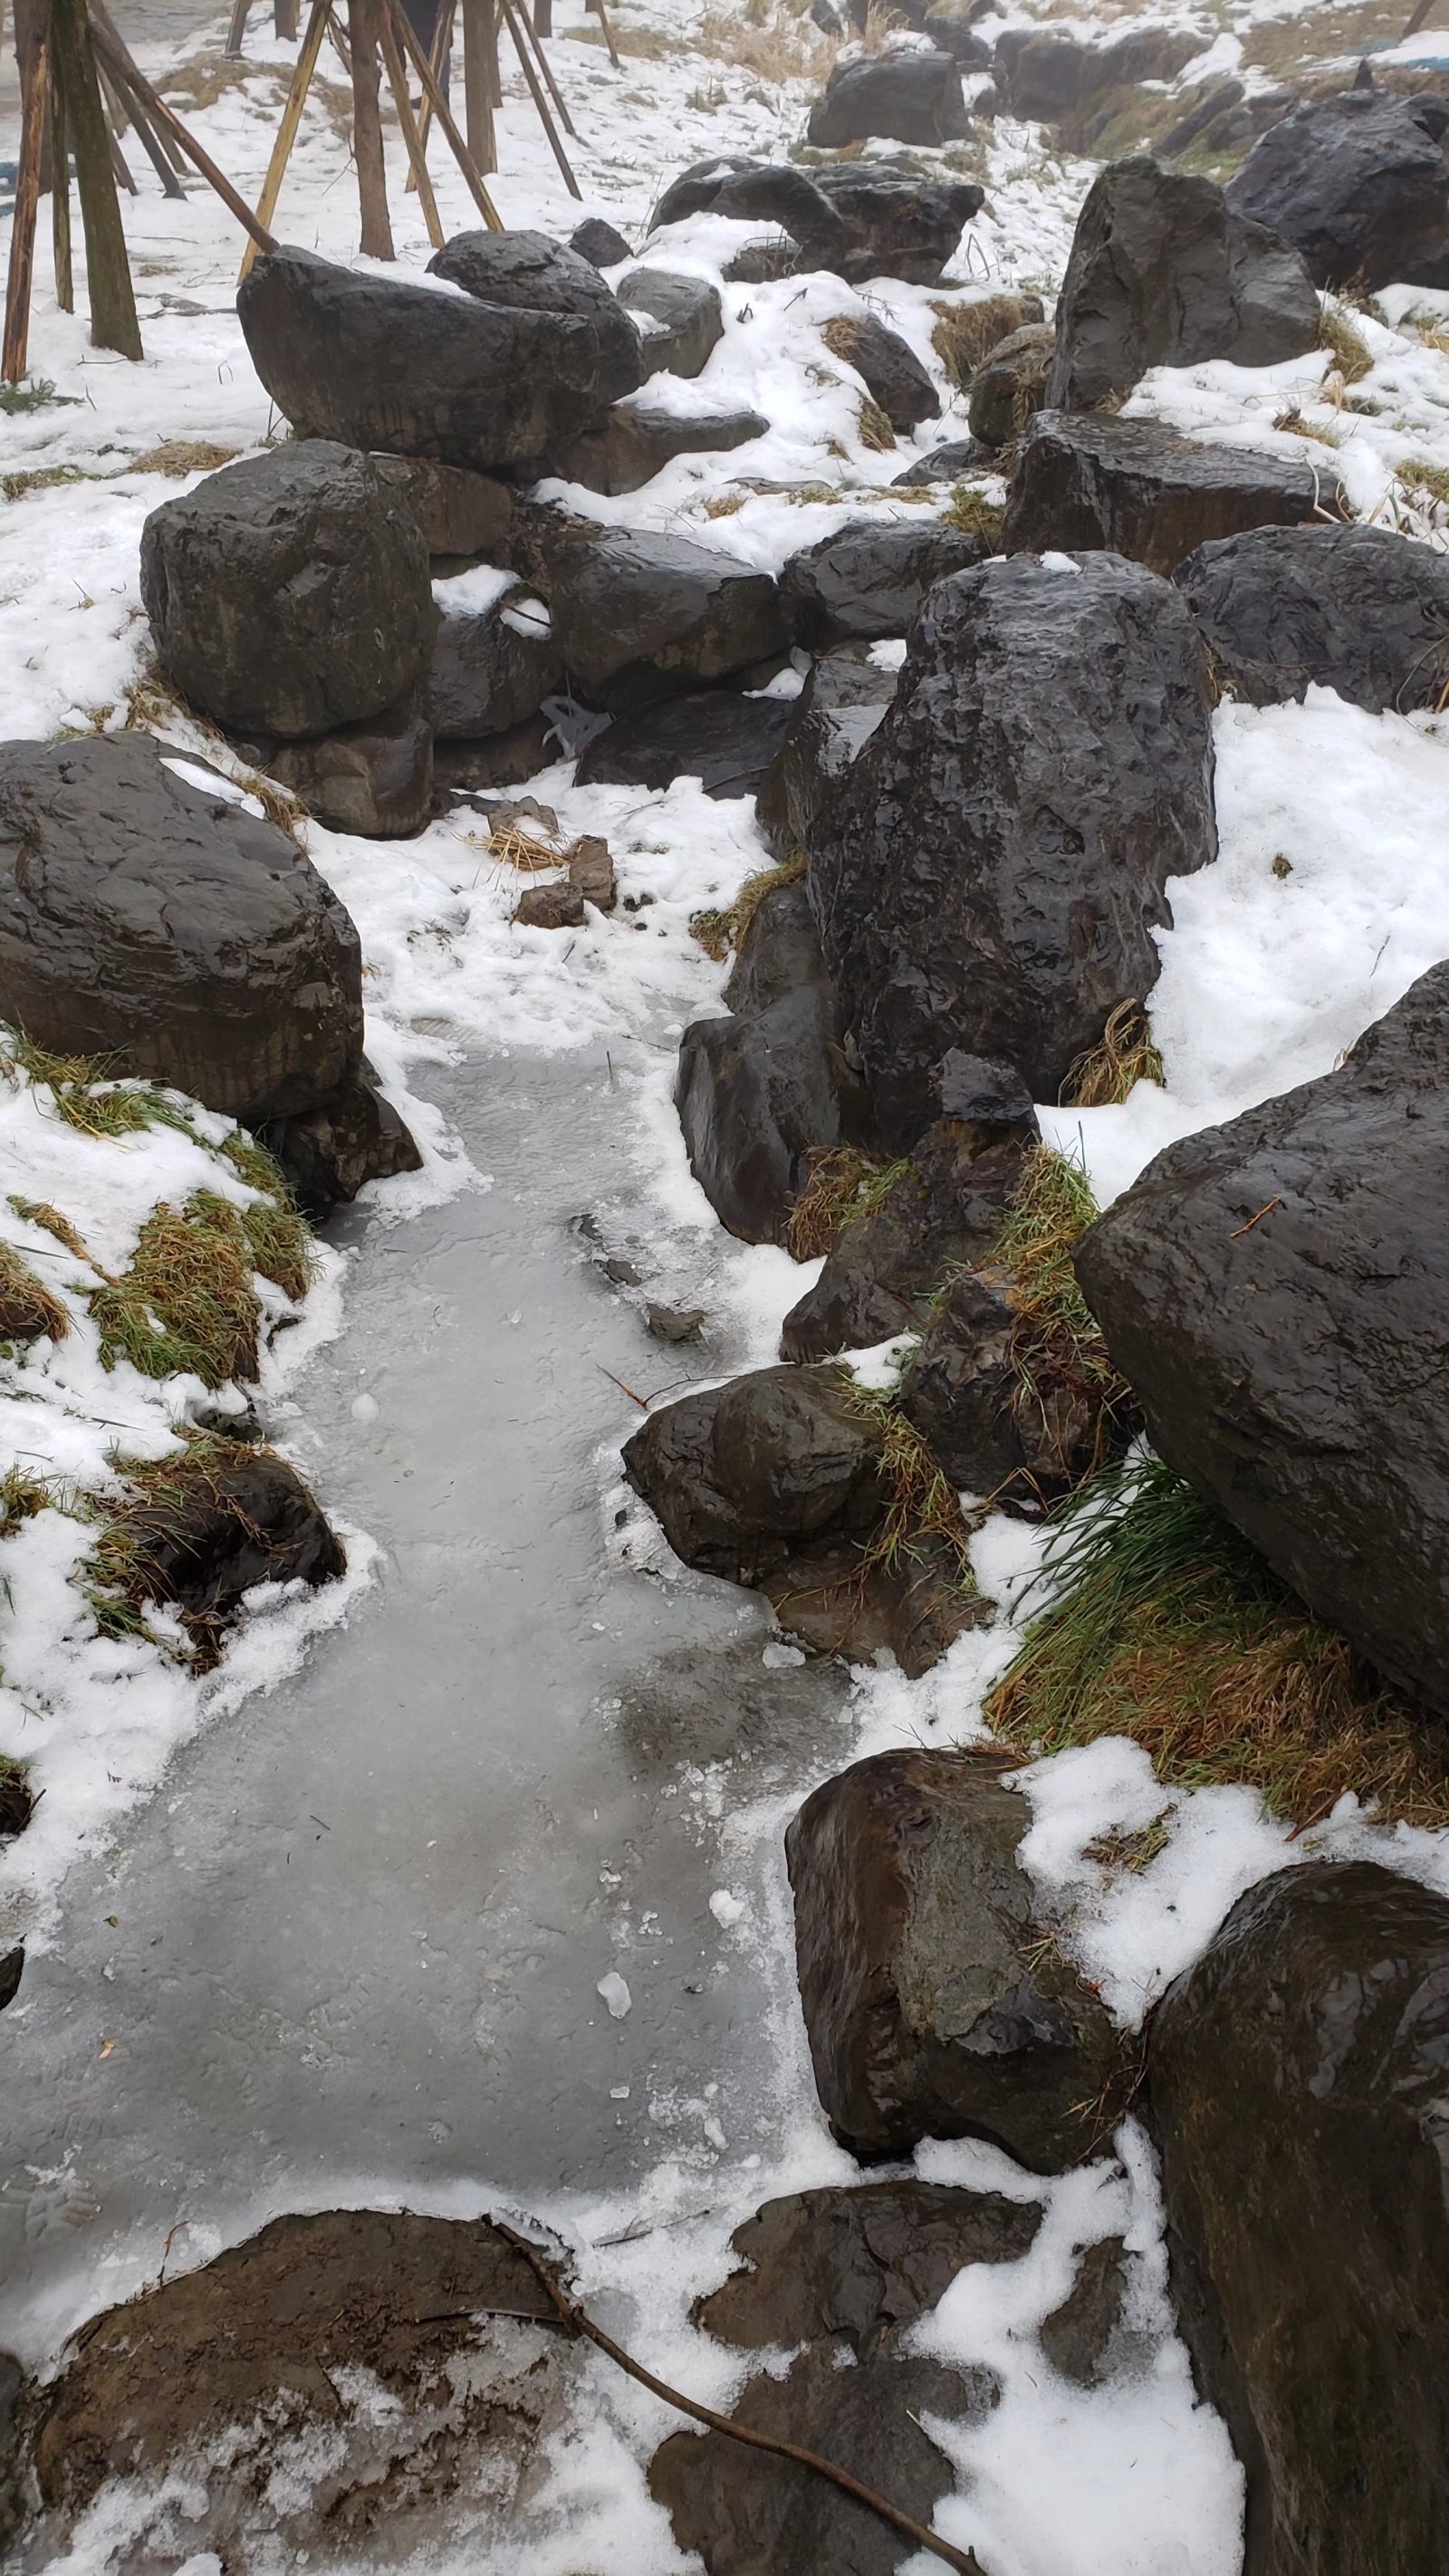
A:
1297	2088
1040	75
12	2464
1359	610
12	1969
638	438
934	2008
868	580
1023	1442
834	717
687	316
228	1520
527	272
379	362
779	953
639	616
328	1153
945	464
597	241
991	870
374	778
1359	183
1010	385
1088	2339
861	219
157	924
1079	482
1282	1366
459	513
1163	273
909	98
884	1269
289	593
858	2264
495	760
675	1323
951	27
756	1098
891	372
725	741
492	667
739	1476
562	904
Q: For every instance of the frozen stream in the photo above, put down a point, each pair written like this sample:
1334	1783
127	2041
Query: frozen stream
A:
353	1946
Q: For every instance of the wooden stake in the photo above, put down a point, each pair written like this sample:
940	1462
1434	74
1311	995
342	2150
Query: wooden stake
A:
115	121
236	32
367	146
22	229
161	162
287	130
167	122
608	33
284	20
533	33
444	115
442	47
60	203
119	55
418	168
542	20
108	269
510	16
478	87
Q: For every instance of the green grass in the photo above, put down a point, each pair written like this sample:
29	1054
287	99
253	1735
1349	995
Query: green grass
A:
187	1305
923	1507
1124	1055
1058	1356
38	395
86	1097
970	510
844	1186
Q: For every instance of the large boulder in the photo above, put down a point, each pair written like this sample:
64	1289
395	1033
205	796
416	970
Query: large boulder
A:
1297	2089
889	369
1275	1292
636	440
1040	74
934	2006
756	1099
459	513
419	370
1010	385
738	1476
724	740
833	719
638	616
1360	610
1163	273
289	593
532	274
992	869
1359	183
868	580
374	778
494	662
910	97
1080	481
683	319
859	2264
861	219
778	953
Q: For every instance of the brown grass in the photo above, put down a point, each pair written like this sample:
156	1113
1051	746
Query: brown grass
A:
1432	479
1123	1056
873	429
28	1310
719	930
1283	45
844	1186
645	44
40	1212
923	1507
1340	335
964	334
1059	1359
968	508
769	39
177	456
1293	422
208	77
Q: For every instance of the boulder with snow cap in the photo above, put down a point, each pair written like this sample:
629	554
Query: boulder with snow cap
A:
832	720
1359	183
636	439
907	97
860	219
1079	481
495	662
639	616
683	319
529	273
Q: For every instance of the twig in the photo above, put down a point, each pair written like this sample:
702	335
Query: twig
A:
1255	1220
641	1400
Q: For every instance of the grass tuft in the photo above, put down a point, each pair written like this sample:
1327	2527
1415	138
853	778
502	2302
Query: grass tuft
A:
17	1799
964	334
719	929
1432	479
873	429
844	1186
177	456
40	1212
1058	1356
1169	1628
85	1097
186	1306
767	38
28	1310
1291	419
1123	1056
970	510
1341	336
923	1508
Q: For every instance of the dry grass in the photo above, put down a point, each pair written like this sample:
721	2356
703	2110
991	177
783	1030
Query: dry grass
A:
725	505
1059	1359
719	930
1431	479
923	1507
769	39
646	44
1340	335
1132	1851
17	1799
964	334
1169	1628
85	1097
187	1305
43	478
1123	1056
873	429
28	1310
844	1186
49	1219
1284	45
208	77
881	23
970	510
177	456
1293	422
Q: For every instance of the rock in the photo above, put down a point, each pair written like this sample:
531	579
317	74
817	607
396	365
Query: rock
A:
1010	385
561	904
459	513
858	2264
908	97
251	2351
1297	2091
958	1389
725	741
379	362
1080	482
12	1969
638	438
891	372
497	760
861	219
951	28
226	1520
685	312
945	464
1163	273
639	616
493	665
1281	1364
1087	2339
675	1323
739	1476
868	580
1359	183
595	240
526	272
12	2475
756	1098
374	778
991	870
834	717
779	953
329	1153
289	593
933	2004
1039	75
1359	610
158	924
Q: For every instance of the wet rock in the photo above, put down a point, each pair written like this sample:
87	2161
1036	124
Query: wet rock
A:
860	219
1088	2338
375	778
1297	2091
884	1269
1359	610
739	1476
1163	273
12	2474
595	240
226	1520
497	760
945	464
950	26
844	1597
638	438
1080	482
1010	385
756	1098
675	1323
1273	1291
724	740
934	2005
860	2264
493	666
639	616
378	362
683	319
563	903
891	372
779	953
1359	183
459	513
527	272
1025	1447
868	580
1040	75
12	1969
289	593
1050	732
908	97
155	922
329	1152
834	717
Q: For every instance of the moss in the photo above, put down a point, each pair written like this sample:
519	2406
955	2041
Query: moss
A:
1124	1055
844	1186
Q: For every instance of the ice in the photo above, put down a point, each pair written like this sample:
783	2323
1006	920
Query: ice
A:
617	1999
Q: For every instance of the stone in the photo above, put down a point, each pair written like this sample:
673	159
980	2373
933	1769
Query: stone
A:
1010	385
496	760
528	272
891	372
562	903
596	240
375	779
12	1969
1274	1292
859	219
289	593
153	921
1359	183
944	464
13	2498
739	1476
418	370
834	717
639	616
1359	610
934	2006
1297	2087
1088	2339
225	1522
459	513
992	868
778	954
949	25
724	740
907	97
868	580
328	1153
1079	481
885	1269
861	2265
1163	273
1040	75
675	1323
493	665
684	319
756	1099
638	438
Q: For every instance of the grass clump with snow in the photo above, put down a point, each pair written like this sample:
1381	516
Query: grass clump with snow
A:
1124	1055
1058	1356
963	334
1168	1627
969	510
721	928
28	1311
923	1509
1340	335
188	1306
844	1186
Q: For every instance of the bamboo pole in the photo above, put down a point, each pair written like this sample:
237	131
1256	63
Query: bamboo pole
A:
167	122
510	17
286	134
22	231
444	115
108	268
367	148
398	83
534	35
441	48
478	87
60	203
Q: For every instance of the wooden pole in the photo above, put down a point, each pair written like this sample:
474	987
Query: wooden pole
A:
284	20
167	122
546	67
542	17
444	115
287	130
442	47
367	132
608	33
478	87
418	168
236	32
60	203
119	56
108	269
510	16
22	229
161	162
115	123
